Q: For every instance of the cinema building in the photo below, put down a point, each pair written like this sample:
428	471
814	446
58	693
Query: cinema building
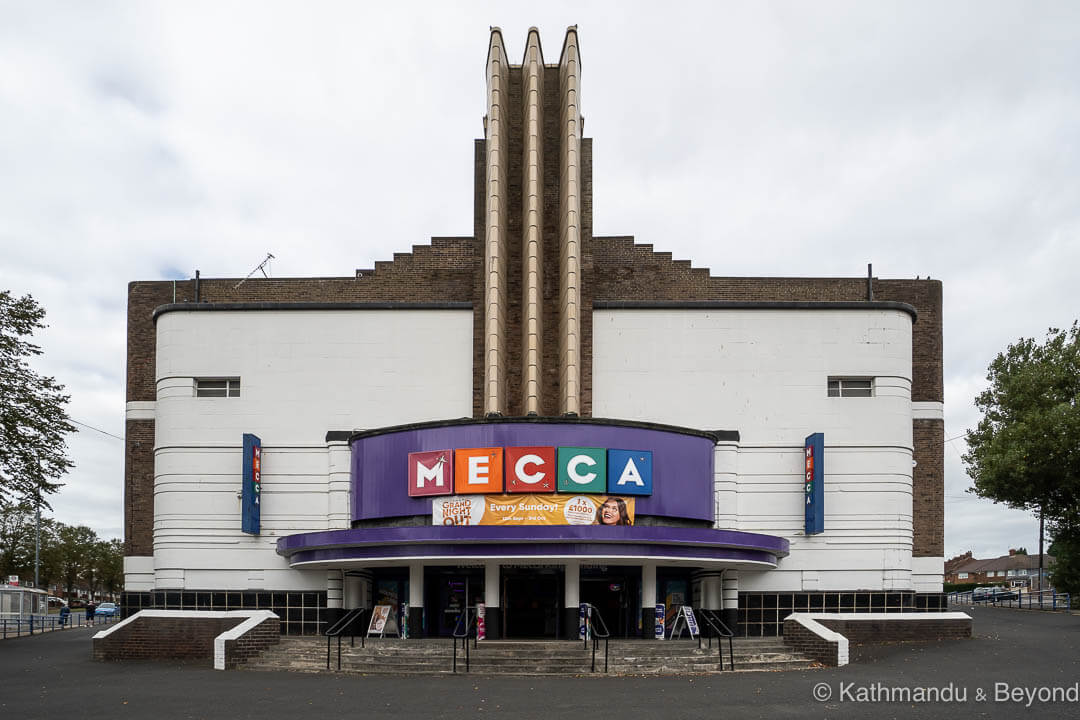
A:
532	417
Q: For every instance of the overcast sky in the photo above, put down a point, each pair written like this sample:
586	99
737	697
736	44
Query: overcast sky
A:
141	140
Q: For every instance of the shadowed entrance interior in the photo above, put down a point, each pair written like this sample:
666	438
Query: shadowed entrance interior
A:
532	602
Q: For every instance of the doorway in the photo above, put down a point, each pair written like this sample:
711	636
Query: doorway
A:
447	590
616	592
532	602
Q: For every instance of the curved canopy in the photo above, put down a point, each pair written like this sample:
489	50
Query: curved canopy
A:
672	545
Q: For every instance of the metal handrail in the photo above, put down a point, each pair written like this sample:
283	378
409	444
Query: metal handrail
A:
596	635
348	621
720	628
463	628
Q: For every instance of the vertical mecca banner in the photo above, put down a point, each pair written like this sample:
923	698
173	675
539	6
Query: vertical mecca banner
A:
252	488
814	481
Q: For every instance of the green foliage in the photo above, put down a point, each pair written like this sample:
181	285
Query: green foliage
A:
1065	572
1025	452
71	555
33	418
76	544
1021	551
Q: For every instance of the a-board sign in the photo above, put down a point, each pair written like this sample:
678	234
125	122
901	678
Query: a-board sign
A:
684	620
382	621
691	620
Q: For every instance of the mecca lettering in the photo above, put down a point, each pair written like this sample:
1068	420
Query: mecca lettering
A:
489	471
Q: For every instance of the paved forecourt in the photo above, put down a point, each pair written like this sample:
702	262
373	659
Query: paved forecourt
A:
53	675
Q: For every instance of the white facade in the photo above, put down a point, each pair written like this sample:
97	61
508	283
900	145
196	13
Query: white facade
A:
764	373
760	372
302	373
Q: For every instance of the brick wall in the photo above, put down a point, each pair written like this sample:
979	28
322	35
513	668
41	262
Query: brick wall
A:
928	488
807	642
252	643
868	628
139	487
153	637
906	630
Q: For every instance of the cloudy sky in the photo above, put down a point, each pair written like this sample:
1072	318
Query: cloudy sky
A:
143	140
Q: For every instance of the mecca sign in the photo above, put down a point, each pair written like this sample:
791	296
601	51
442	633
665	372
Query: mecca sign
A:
489	471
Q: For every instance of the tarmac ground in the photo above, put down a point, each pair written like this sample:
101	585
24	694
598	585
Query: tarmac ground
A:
1019	662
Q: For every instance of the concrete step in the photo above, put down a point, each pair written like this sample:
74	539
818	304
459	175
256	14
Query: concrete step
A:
527	658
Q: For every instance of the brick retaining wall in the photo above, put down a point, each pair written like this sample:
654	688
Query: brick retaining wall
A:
825	636
189	636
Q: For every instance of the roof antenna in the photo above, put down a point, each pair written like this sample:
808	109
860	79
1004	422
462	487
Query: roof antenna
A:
260	267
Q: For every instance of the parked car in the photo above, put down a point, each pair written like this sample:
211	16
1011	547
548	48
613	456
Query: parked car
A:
106	609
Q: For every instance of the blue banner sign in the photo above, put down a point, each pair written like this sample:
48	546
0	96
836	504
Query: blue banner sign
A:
252	489
814	479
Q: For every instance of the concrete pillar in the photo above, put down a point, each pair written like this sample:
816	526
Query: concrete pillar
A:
730	613
352	595
711	590
571	598
492	594
416	600
648	600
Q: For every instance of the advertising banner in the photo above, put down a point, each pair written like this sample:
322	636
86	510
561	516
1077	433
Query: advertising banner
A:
251	503
532	509
814	483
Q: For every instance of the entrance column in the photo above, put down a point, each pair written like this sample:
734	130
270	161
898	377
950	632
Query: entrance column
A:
571	599
711	590
334	586
416	600
492	611
730	614
648	601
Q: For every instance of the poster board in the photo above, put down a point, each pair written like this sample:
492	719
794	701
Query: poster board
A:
382	622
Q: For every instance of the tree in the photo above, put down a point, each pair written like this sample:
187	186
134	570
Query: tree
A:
1020	551
1065	548
1025	452
76	555
33	415
16	538
110	565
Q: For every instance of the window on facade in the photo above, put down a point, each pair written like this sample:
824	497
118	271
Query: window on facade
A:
851	387
217	387
962	576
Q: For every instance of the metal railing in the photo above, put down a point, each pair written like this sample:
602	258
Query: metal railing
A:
347	622
720	630
596	634
1012	597
464	628
36	624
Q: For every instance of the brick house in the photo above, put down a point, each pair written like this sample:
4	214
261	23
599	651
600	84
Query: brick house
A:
1012	570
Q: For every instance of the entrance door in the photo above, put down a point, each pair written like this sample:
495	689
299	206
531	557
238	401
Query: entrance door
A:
447	591
616	593
532	603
